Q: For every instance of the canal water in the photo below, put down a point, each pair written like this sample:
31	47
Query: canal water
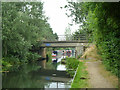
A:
38	75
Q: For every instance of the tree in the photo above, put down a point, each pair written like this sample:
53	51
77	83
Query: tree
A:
23	24
68	33
101	22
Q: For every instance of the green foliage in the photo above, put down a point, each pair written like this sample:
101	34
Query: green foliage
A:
68	33
23	25
49	53
105	34
101	22
5	65
71	65
33	56
79	56
12	60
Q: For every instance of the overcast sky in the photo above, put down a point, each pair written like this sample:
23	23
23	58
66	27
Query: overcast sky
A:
57	18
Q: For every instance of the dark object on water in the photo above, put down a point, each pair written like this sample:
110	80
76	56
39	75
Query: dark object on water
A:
43	58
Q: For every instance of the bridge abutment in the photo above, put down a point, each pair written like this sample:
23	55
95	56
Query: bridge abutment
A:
79	51
43	54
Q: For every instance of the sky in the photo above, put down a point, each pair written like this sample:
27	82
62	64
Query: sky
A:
58	20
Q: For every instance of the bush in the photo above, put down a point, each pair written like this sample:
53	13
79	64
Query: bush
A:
5	65
32	56
12	60
71	65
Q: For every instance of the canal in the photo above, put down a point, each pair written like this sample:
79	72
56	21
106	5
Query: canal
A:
39	75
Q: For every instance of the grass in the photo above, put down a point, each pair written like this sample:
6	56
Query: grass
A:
81	78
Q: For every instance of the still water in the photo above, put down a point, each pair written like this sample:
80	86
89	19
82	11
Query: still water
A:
38	75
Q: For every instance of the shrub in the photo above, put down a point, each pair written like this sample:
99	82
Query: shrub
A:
33	56
71	65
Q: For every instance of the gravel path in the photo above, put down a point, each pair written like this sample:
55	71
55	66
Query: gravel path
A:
96	79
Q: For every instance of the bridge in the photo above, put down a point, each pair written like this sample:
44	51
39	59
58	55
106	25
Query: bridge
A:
78	42
64	44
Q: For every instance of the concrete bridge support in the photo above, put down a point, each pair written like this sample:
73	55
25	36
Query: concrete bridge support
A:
79	51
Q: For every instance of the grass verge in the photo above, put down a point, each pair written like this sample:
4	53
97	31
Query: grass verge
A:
81	78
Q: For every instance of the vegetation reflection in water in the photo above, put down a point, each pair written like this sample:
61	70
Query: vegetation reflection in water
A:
30	77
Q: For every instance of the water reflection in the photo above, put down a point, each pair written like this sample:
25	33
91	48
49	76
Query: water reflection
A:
61	67
43	64
38	75
57	85
55	59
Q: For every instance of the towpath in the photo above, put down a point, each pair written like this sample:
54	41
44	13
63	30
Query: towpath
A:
97	80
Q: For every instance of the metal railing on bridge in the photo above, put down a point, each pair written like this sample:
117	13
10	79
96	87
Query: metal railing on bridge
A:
80	37
71	38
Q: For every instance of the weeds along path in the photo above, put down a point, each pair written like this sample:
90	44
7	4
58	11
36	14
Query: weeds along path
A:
96	79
